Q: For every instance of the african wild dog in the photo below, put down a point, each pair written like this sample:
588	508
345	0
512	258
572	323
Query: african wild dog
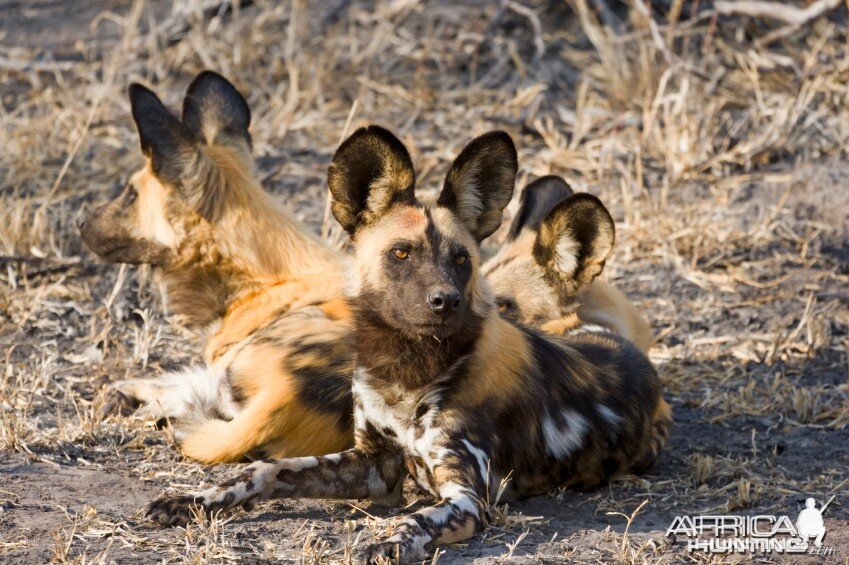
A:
444	388
278	356
277	377
544	274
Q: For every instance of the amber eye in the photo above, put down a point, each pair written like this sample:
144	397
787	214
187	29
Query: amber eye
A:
460	259
505	305
400	253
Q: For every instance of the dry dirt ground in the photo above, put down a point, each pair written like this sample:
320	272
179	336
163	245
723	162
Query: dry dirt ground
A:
720	152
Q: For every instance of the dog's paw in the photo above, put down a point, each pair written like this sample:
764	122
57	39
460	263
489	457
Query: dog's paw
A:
391	552
175	510
117	402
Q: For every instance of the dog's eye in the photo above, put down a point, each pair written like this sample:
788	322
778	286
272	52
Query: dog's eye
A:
131	194
400	253
460	259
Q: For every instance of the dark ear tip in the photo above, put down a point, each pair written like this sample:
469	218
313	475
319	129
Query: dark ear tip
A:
373	130
550	182
587	199
537	201
591	205
498	141
501	136
373	133
211	97
206	79
584	199
137	90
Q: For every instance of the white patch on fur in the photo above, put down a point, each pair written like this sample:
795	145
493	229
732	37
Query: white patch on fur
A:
459	496
590	329
563	440
480	455
609	415
375	409
398	418
298	463
566	255
189	395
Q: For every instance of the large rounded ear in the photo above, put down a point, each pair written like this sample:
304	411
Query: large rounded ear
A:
215	112
538	199
574	241
163	137
480	183
370	172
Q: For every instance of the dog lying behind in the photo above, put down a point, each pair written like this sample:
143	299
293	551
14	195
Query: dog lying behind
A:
535	274
444	388
279	357
277	366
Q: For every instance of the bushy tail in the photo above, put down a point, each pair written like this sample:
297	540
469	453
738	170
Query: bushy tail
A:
270	425
660	427
186	395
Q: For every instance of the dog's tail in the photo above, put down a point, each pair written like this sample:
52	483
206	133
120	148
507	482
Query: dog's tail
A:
275	423
660	427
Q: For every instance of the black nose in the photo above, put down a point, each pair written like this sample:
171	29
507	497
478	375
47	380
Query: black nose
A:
444	300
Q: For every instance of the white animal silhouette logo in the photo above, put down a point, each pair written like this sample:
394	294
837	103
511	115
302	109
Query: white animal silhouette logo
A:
810	523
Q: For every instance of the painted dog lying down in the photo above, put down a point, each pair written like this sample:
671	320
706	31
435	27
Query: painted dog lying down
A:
444	388
557	297
278	354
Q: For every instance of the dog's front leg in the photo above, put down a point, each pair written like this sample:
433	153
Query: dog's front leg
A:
351	474
460	513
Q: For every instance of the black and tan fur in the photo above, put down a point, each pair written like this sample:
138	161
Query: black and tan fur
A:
444	388
535	274
278	354
276	377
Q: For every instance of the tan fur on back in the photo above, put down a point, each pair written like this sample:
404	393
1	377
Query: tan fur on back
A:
607	306
500	360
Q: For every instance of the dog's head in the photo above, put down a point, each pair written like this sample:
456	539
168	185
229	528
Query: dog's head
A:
417	265
189	163
558	243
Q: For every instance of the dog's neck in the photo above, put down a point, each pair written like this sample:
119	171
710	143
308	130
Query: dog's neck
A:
200	295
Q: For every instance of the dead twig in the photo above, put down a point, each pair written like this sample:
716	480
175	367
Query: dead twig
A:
531	16
782	11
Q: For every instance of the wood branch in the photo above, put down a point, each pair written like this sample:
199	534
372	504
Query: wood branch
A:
776	10
532	17
37	66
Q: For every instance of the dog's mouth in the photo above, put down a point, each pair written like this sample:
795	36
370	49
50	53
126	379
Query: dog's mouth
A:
112	252
437	330
127	251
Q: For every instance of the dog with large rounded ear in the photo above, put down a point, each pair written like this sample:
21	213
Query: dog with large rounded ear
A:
370	172
480	183
574	241
164	139
537	200
215	112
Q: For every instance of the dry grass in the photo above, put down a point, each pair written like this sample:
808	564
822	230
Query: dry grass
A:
720	158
